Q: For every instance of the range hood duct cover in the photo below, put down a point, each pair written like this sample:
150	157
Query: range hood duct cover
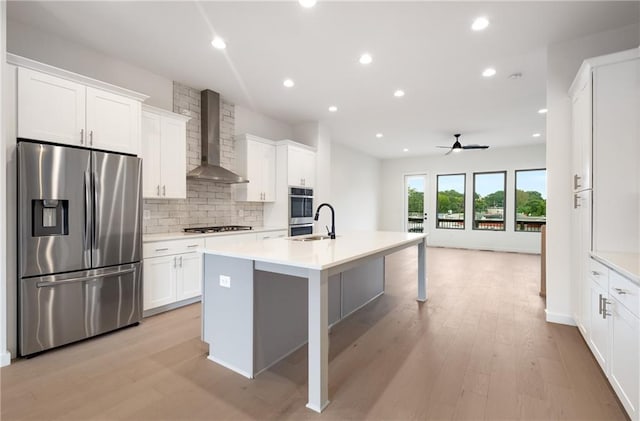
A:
210	168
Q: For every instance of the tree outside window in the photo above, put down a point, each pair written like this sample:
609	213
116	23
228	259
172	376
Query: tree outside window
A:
450	201
531	200
489	201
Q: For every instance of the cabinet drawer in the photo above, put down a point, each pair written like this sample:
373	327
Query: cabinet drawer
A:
625	291
599	273
164	248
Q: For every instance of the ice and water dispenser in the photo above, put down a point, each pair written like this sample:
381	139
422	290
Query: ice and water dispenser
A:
50	217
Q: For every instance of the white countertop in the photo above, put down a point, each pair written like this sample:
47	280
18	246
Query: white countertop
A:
149	238
321	254
627	264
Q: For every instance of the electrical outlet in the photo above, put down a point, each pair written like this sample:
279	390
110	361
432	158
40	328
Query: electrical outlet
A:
225	281
146	214
240	213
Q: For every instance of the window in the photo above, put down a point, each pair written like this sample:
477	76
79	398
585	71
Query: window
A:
531	200
488	201
450	201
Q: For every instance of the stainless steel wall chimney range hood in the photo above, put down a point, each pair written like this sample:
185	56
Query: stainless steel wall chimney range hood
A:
210	168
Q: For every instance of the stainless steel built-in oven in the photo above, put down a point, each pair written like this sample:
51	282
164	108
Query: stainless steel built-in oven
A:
300	211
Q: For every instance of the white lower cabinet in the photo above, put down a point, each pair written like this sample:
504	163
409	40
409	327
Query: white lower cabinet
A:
624	367
613	333
172	273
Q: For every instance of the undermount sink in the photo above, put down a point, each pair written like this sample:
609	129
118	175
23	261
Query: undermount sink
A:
310	238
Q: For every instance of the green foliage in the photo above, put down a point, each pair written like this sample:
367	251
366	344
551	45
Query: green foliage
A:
450	200
530	203
416	201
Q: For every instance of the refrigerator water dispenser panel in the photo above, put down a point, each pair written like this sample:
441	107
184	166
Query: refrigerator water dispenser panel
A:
50	217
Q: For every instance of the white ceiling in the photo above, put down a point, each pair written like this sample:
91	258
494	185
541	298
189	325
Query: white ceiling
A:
425	48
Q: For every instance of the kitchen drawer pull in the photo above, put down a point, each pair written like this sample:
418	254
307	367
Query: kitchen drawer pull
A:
81	279
192	245
595	273
163	249
620	291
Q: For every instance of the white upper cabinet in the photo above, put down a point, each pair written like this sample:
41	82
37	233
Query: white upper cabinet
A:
113	122
256	161
581	139
164	149
50	108
301	166
73	110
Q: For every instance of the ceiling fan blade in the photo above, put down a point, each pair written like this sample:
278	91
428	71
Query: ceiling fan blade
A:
475	147
449	151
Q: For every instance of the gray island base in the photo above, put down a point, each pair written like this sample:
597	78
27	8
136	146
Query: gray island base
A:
263	300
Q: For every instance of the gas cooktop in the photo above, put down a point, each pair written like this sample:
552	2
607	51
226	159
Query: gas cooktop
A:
220	228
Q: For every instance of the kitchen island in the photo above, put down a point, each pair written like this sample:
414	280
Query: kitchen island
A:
262	300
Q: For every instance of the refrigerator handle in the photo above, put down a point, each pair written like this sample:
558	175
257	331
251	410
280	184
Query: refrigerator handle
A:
94	210
87	209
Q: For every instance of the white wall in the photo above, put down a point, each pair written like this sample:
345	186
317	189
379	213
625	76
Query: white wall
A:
563	62
252	122
468	162
33	43
355	189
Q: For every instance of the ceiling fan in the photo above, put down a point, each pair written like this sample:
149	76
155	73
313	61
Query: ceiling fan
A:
457	146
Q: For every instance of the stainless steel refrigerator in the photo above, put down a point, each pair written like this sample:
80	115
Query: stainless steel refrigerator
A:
80	244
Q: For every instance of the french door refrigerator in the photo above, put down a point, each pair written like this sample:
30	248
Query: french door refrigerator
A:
80	240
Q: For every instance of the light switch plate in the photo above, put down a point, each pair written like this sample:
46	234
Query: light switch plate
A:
146	215
225	281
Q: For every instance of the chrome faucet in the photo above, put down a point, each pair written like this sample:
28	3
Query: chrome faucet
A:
331	233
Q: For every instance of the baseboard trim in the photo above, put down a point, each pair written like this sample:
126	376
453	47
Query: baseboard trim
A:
229	366
5	358
563	319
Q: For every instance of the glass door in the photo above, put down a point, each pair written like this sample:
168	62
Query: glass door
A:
415	203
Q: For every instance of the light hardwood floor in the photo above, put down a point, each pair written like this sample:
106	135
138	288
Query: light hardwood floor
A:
478	349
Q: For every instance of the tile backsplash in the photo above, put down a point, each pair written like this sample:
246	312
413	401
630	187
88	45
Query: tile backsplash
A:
207	203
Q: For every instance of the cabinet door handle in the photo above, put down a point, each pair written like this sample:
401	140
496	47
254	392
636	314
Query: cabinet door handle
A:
175	262
620	291
599	303
164	190
605	313
576	181
158	190
82	136
180	261
91	137
576	200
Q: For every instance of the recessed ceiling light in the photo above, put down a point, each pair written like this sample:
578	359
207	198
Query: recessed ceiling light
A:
405	150
307	3
489	72
219	43
333	108
542	111
288	83
366	58
379	135
480	23
398	93
536	135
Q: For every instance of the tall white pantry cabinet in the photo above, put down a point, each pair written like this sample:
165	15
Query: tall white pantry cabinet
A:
605	230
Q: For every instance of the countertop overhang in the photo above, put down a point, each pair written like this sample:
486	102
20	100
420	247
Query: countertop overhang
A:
320	254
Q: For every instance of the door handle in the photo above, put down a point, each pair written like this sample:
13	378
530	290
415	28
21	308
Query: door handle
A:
576	200
44	284
91	137
164	190
180	261
158	194
81	136
576	181
175	262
